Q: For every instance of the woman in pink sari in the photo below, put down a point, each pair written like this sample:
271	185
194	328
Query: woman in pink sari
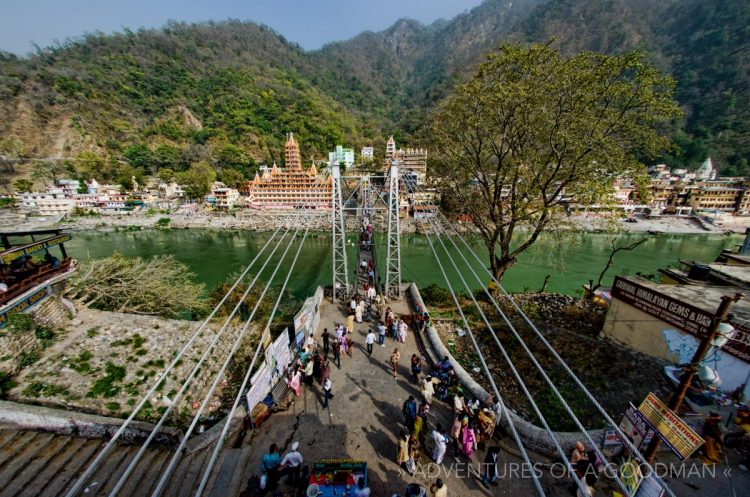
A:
469	442
295	382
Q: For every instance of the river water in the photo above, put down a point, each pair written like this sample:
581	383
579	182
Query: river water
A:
213	255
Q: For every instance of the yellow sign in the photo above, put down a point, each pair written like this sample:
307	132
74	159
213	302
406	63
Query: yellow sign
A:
682	439
10	255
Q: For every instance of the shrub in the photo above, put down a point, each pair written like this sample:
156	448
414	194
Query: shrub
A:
21	322
6	383
435	295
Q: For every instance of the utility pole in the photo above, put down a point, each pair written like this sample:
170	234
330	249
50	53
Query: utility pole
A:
687	378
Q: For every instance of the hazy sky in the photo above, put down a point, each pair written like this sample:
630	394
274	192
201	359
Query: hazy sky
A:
311	23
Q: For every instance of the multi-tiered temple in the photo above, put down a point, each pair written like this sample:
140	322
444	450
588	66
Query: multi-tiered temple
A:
290	187
411	159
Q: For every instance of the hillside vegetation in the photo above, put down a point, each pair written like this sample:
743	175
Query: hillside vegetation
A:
225	93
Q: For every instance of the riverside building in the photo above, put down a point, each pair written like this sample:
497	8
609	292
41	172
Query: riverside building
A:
291	187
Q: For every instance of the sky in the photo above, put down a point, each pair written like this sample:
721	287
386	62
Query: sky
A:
311	23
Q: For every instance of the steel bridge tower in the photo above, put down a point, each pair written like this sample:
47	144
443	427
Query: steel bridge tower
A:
340	270
393	254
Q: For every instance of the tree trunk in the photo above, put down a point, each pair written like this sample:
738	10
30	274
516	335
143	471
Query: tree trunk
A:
500	265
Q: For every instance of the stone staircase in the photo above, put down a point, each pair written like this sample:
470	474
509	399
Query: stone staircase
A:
36	463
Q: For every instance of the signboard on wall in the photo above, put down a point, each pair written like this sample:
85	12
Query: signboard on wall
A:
303	322
260	385
10	255
28	302
680	437
684	317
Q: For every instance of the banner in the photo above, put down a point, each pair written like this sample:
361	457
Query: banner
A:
303	322
30	301
671	428
260	386
635	426
684	317
13	254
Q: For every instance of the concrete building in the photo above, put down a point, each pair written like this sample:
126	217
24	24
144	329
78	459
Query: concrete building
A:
342	156
410	159
367	153
222	197
47	204
665	321
725	198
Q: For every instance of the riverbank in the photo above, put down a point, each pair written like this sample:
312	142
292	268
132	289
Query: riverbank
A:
261	221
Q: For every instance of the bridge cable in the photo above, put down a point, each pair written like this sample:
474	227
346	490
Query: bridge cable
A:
512	366
538	366
499	397
111	443
168	471
206	353
238	399
580	384
623	438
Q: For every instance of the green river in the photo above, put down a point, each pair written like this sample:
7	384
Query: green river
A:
213	255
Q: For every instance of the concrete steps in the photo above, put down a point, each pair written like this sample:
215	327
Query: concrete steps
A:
46	465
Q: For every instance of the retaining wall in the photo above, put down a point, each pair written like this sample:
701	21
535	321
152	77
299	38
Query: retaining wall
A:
28	417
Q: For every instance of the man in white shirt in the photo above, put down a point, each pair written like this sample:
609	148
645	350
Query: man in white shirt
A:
311	344
291	464
381	333
439	439
369	341
459	406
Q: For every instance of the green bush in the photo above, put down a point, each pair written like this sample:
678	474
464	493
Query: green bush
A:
6	383
26	359
21	322
163	222
434	295
107	386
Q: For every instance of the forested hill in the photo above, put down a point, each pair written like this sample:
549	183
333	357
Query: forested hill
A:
186	93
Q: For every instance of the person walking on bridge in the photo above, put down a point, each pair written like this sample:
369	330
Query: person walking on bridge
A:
409	410
440	441
326	342
369	342
337	352
381	334
395	356
327	393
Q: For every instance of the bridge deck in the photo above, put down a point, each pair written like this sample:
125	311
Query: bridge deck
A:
364	419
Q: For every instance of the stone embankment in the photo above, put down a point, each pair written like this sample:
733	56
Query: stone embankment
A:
245	220
104	362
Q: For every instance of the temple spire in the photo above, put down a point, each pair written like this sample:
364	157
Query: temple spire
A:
292	158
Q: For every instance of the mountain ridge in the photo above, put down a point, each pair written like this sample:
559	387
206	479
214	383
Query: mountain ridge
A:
248	85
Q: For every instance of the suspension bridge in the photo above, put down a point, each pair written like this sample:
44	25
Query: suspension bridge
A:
363	419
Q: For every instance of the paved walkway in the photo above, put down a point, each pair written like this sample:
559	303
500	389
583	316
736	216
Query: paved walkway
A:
364	419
